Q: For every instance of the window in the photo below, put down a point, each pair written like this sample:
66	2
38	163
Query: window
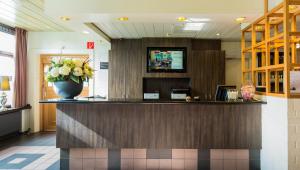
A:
7	65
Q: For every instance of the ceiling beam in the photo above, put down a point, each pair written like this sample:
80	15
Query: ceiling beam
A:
97	30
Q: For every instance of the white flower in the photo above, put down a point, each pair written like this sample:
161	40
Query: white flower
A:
77	71
57	60
54	72
77	62
64	70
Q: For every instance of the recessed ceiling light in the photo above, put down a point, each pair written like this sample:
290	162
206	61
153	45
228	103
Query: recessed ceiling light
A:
199	19
193	26
218	34
181	19
85	32
65	18
123	19
240	19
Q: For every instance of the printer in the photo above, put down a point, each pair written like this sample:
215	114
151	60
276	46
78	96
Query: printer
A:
180	94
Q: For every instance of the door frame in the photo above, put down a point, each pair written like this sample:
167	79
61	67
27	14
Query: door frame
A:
42	58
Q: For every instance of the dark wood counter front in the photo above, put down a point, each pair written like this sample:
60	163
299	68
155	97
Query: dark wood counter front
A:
159	125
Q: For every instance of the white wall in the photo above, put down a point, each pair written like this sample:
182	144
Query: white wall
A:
52	42
233	73
274	153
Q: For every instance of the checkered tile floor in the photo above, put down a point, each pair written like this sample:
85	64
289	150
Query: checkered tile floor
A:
30	158
38	152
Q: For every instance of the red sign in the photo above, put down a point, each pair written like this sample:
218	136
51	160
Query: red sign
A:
90	45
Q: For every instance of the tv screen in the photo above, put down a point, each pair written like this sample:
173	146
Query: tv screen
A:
166	59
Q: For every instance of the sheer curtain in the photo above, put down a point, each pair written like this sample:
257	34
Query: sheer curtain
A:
20	87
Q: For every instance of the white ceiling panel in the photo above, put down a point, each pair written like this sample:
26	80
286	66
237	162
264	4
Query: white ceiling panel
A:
28	14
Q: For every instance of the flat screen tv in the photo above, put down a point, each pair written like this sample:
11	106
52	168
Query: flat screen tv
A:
166	59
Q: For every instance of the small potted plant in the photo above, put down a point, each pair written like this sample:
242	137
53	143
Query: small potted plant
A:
68	76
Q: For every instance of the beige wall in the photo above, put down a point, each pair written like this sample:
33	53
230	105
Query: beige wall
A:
294	134
233	74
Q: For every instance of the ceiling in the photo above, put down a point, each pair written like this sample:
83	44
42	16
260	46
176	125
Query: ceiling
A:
147	18
28	14
143	25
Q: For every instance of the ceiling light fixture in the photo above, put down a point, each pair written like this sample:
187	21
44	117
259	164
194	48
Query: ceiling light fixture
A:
85	32
193	26
240	19
199	19
123	19
181	19
218	34
65	18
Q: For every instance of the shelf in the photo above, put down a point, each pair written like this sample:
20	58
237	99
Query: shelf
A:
247	49
276	94
260	93
276	37
272	48
259	44
276	67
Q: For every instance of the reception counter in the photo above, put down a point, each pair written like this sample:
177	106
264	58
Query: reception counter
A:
115	124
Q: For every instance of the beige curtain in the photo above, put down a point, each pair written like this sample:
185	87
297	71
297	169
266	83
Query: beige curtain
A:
20	87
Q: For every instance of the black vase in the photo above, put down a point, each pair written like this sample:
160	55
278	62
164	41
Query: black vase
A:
68	89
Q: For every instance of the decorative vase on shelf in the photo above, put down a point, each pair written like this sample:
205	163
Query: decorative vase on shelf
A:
68	89
68	76
248	91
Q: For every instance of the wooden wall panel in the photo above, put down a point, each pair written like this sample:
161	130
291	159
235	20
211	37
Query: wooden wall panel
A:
125	69
128	65
208	72
116	72
133	72
205	44
137	125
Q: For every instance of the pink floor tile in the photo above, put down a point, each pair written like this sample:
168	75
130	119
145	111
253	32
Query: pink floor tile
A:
140	164
127	153
177	153
216	164
139	153
127	164
76	164
190	164
152	164
101	153
165	164
177	164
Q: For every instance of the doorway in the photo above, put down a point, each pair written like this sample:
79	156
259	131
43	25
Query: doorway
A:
48	111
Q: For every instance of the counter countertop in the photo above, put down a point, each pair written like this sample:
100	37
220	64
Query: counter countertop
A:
140	101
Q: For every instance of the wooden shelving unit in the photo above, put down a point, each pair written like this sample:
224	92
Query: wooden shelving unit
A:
269	49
